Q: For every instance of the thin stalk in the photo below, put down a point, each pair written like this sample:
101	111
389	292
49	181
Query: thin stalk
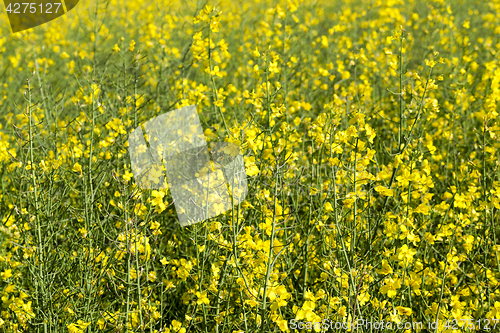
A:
269	260
41	263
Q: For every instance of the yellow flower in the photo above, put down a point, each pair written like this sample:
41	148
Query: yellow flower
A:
177	327
127	176
431	63
101	323
422	208
406	254
77	167
83	232
214	25
324	41
391	286
352	131
404	311
202	298
384	191
116	48
273	67
6	274
250	167
214	72
386	268
79	327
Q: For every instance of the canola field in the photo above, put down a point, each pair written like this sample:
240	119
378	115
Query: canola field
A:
370	135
